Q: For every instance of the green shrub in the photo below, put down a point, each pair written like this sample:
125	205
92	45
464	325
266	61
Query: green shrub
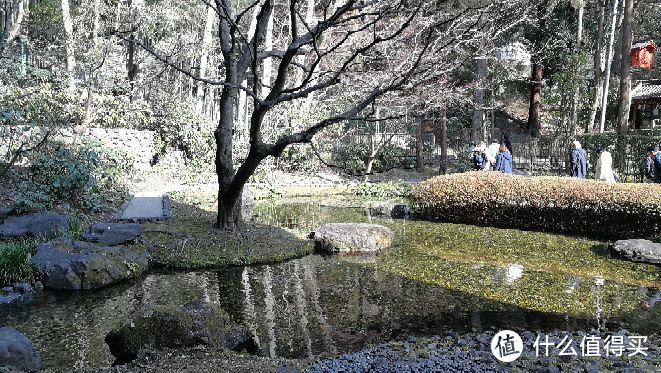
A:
385	189
14	262
560	204
352	158
85	176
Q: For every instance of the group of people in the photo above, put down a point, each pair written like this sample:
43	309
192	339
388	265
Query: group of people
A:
496	157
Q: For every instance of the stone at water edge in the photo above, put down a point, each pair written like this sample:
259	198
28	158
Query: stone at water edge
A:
41	224
353	237
113	234
17	352
173	326
76	265
639	250
394	210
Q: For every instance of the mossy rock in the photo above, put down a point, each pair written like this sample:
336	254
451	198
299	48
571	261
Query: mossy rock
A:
173	326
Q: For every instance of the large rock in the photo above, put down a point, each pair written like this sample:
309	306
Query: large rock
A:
172	326
353	237
112	234
41	224
74	265
639	250
394	210
17	352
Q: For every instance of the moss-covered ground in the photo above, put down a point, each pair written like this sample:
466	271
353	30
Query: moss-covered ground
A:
189	240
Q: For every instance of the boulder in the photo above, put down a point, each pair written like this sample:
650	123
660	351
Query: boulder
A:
113	234
394	210
353	237
639	250
17	352
41	224
173	326
6	212
75	265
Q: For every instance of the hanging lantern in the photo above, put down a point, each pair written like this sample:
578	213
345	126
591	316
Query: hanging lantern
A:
642	53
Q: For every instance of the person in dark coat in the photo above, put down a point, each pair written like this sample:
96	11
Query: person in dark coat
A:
504	160
649	163
579	161
657	165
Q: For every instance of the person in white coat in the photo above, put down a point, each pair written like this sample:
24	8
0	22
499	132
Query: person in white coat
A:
604	169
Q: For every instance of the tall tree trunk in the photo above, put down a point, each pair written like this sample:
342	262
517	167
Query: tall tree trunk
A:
607	73
15	12
371	156
204	57
625	70
534	126
598	66
443	123
577	91
478	113
68	31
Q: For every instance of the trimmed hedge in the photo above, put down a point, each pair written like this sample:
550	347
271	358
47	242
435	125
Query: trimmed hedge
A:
550	203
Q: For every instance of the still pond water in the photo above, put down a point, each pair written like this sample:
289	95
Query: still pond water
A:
437	278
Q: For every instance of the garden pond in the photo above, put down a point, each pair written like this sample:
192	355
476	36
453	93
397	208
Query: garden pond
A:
437	278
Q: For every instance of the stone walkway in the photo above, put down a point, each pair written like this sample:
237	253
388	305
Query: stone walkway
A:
147	206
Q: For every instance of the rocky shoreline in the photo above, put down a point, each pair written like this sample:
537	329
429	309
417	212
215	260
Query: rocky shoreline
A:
451	352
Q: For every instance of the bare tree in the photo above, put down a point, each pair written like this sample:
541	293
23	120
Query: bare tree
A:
609	62
340	48
11	18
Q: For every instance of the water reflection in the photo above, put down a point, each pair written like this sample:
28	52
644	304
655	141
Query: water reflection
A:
327	305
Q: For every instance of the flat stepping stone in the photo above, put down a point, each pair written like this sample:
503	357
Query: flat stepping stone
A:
147	206
112	234
41	224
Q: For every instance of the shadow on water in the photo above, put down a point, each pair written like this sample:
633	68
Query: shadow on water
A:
321	305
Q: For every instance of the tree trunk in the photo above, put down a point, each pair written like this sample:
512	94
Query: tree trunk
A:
419	164
68	31
369	162
534	125
625	70
577	91
443	122
478	113
598	67
204	57
11	22
267	63
607	73
229	204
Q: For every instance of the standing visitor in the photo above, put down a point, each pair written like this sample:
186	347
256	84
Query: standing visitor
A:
604	169
504	160
649	163
579	162
508	143
657	165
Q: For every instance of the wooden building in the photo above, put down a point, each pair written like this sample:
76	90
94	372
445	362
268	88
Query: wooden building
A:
646	105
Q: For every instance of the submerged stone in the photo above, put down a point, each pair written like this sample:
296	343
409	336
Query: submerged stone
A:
353	237
173	326
75	265
17	352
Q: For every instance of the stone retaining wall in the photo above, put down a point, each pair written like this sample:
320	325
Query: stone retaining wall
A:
140	144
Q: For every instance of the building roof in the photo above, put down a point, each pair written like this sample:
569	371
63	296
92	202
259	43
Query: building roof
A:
644	44
647	90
